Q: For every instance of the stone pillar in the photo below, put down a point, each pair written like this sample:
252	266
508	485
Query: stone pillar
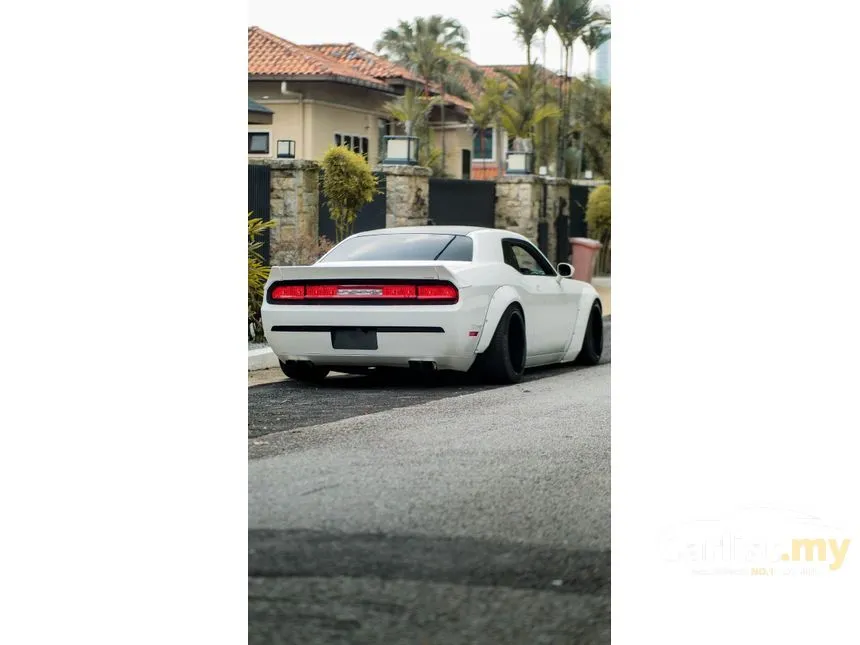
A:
294	201
558	195
518	201
407	195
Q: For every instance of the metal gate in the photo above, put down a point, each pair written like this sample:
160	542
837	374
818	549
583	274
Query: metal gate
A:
578	202
562	233
369	218
259	189
461	202
543	224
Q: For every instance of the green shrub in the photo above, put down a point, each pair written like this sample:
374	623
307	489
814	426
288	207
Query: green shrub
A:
598	214
348	184
258	273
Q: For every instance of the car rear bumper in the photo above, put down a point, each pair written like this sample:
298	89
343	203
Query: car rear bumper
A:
445	335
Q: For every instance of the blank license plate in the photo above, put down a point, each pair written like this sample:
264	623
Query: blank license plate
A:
354	339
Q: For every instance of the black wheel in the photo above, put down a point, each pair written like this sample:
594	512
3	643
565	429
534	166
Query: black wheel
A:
504	360
303	372
592	344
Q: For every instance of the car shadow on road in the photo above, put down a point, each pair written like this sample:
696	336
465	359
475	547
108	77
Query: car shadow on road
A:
408	379
288	404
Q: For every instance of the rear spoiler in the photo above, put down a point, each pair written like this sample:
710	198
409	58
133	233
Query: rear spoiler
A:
365	271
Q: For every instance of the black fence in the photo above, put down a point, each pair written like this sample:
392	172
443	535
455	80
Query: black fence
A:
562	233
462	202
578	202
369	218
259	189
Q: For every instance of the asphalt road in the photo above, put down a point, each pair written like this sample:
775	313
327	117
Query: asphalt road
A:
388	512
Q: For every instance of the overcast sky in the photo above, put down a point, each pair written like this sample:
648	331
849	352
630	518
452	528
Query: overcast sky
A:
491	41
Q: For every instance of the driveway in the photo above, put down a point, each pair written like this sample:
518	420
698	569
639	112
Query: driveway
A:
397	513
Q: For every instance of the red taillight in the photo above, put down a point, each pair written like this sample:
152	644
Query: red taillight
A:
437	292
398	291
289	292
322	291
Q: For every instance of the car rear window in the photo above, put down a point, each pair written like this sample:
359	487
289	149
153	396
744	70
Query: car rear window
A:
402	246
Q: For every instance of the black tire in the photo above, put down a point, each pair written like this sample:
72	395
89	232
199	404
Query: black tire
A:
303	372
504	361
592	344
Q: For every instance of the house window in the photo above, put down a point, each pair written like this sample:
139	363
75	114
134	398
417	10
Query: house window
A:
482	145
354	142
258	143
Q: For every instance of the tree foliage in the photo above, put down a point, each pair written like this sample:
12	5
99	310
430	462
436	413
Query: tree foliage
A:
593	37
432	48
598	213
528	17
570	20
525	105
412	43
258	273
487	110
348	184
591	101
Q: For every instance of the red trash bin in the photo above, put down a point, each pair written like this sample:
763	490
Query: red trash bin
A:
584	252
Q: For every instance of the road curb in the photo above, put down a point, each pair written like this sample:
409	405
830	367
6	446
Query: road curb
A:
261	359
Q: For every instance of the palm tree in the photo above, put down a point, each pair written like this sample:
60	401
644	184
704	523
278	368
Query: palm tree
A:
544	140
495	92
524	108
430	47
487	111
413	112
528	17
593	38
570	18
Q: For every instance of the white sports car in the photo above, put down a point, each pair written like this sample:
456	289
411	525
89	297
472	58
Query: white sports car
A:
431	297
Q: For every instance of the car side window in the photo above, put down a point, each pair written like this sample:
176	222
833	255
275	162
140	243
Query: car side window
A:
525	259
508	254
527	263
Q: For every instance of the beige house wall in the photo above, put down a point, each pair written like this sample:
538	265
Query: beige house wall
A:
329	120
456	140
286	124
312	113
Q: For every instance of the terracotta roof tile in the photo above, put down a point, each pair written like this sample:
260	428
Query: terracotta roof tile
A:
378	66
273	56
270	55
364	61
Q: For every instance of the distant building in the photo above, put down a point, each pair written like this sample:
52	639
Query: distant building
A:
603	60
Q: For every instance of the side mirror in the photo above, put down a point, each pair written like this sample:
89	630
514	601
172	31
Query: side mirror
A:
565	270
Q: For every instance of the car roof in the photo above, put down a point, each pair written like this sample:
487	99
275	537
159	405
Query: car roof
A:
440	230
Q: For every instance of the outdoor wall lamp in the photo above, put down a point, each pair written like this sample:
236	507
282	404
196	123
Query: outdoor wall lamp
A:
286	149
401	150
519	163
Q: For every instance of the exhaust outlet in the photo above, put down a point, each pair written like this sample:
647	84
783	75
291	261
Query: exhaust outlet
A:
423	366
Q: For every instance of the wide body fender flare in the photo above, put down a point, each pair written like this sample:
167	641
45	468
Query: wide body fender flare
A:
501	300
